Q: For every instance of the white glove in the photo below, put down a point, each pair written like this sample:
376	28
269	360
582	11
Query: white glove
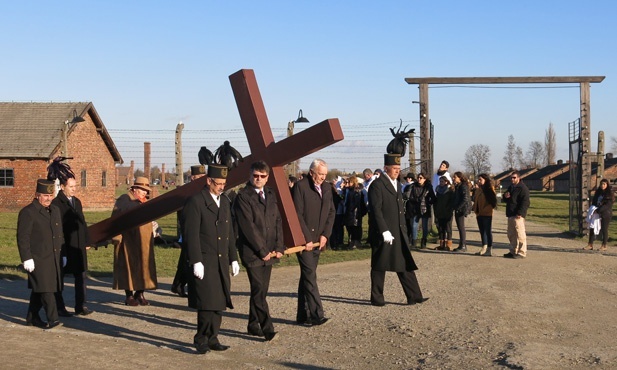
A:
29	265
235	268
387	237
198	270
63	261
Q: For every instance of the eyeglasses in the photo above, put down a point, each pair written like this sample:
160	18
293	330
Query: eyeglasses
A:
514	177
420	177
258	176
218	183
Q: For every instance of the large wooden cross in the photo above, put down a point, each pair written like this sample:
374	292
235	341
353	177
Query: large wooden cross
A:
263	147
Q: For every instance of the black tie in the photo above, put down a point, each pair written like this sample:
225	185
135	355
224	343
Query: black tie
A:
262	197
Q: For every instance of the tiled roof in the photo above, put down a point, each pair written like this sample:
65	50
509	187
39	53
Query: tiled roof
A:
34	130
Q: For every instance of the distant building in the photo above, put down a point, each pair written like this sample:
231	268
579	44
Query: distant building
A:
562	182
543	179
32	136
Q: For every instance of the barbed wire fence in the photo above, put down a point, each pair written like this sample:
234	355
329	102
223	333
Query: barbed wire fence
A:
363	145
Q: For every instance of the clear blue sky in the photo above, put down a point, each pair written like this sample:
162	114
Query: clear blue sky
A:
146	65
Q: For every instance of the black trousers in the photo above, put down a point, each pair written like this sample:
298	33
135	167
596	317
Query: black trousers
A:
181	277
208	326
460	225
259	313
408	282
309	299
46	301
80	293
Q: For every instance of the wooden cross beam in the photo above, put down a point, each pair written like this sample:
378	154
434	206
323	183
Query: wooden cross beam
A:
263	147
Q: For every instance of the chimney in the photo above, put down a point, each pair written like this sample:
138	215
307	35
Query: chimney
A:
560	162
147	152
609	155
163	174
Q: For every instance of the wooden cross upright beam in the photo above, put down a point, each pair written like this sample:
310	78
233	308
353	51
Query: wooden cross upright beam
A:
263	147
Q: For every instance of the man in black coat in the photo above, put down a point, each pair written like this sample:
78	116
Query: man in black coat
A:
182	274
390	249
312	197
75	243
40	241
260	244
210	244
517	203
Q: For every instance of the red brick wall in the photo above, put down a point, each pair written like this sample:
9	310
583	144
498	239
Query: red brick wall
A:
26	173
90	154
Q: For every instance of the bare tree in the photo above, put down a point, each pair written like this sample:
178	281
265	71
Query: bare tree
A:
550	145
535	154
477	160
513	156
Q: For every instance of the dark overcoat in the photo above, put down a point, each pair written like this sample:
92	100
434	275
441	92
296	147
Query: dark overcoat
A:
260	229
134	263
388	214
209	237
314	221
40	238
75	234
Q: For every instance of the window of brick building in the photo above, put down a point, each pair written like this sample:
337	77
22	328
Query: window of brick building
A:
104	178
6	177
83	178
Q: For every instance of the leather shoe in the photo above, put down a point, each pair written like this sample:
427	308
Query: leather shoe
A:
256	331
36	321
141	300
179	290
270	336
202	348
378	304
83	312
130	301
64	313
218	347
53	324
508	255
321	321
411	302
305	322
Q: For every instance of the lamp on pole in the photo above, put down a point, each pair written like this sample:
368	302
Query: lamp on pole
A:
65	131
293	166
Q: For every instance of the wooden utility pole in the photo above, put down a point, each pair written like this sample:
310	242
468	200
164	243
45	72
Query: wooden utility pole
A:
412	154
426	155
179	170
600	158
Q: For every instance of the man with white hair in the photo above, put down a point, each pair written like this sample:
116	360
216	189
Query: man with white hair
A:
313	199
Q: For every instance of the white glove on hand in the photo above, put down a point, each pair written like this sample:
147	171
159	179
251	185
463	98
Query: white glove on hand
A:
235	268
387	237
29	265
198	270
63	261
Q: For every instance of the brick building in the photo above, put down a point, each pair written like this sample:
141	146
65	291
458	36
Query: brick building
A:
32	135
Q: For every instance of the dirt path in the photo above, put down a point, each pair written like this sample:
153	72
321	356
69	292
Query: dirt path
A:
555	309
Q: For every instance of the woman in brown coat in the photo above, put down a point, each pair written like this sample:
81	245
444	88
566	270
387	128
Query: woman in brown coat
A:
134	265
485	200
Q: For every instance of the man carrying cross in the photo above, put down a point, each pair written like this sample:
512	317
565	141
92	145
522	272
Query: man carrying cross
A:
312	197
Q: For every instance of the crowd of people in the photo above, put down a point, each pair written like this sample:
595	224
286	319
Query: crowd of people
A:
218	232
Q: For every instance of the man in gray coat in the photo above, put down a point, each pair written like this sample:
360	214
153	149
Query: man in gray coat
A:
40	241
210	244
390	248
